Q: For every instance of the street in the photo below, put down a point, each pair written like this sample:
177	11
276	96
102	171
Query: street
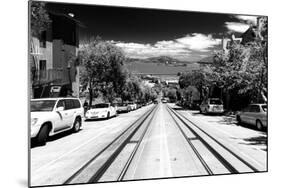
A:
160	146
143	94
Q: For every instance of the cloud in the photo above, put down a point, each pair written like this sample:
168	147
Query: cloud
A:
247	19
242	23
138	50
197	41
182	48
236	26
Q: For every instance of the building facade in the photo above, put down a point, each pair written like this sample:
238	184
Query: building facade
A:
54	63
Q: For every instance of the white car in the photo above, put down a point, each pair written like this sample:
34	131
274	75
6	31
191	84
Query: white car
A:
123	107
132	105
101	111
50	116
212	105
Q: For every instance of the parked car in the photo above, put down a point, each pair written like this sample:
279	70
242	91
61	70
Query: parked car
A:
101	111
50	116
254	114
212	105
123	107
139	104
132	105
165	100
193	105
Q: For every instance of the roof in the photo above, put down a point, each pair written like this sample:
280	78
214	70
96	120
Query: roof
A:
53	98
79	23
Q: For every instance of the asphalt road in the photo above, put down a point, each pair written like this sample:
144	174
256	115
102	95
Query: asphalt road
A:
163	151
63	154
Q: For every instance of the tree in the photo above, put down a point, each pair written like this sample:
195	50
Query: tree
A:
131	90
39	21
197	78
39	18
103	72
243	69
172	94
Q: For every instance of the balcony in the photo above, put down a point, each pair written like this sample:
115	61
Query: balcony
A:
55	76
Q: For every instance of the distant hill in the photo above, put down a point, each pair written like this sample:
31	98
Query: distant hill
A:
206	60
163	59
160	60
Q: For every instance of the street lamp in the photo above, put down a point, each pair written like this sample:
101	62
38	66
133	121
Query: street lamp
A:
71	15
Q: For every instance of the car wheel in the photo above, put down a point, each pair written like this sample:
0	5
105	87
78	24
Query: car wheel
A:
205	111
43	134
76	125
108	115
259	125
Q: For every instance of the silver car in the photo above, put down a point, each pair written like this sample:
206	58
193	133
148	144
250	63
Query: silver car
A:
212	105
254	114
123	107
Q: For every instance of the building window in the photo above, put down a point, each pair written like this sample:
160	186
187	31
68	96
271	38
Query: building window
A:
42	64
43	38
43	69
73	37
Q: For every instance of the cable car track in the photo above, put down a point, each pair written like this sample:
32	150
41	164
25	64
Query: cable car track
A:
214	151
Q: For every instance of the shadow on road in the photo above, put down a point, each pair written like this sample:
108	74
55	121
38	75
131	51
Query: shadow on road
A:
196	113
100	119
178	108
34	144
257	141
251	127
227	120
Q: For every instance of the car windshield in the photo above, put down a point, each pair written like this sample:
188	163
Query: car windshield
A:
42	105
215	101
101	105
264	108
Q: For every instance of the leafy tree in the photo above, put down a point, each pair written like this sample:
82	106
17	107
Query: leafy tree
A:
103	72
197	78
172	94
40	20
132	89
243	69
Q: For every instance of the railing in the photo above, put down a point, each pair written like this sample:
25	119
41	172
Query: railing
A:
51	75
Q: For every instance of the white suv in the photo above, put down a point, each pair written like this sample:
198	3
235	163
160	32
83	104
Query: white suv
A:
50	116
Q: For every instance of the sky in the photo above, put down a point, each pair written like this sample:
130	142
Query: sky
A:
144	33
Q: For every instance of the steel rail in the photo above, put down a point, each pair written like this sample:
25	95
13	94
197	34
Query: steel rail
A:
224	161
81	169
110	160
205	165
129	161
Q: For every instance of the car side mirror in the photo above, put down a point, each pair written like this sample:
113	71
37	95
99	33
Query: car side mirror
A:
61	108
